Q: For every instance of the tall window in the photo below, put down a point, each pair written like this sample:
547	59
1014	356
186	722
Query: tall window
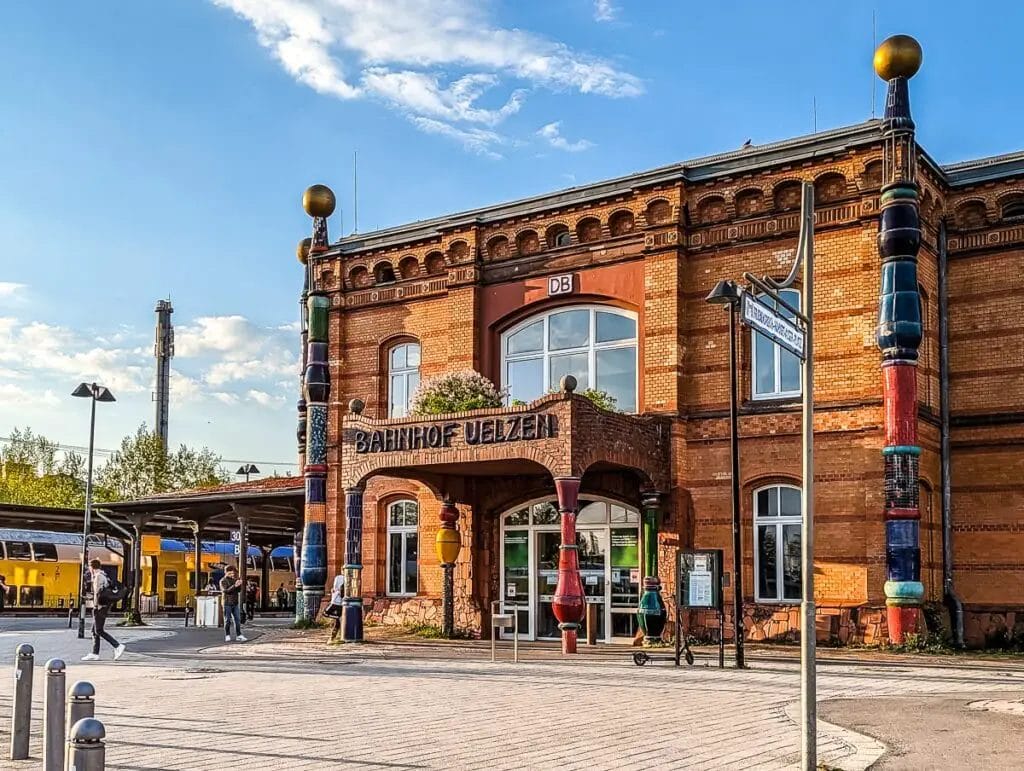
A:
776	371
403	547
777	543
403	378
596	344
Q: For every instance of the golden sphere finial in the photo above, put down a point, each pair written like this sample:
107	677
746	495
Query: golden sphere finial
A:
899	55
318	201
302	250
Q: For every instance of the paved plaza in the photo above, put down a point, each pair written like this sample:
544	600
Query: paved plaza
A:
182	699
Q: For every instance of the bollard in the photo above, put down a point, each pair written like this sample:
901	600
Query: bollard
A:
53	716
21	718
80	703
86	750
71	615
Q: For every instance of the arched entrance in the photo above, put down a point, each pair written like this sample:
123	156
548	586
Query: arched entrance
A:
608	539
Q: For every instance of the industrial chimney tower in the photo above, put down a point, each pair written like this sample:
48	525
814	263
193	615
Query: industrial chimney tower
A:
164	352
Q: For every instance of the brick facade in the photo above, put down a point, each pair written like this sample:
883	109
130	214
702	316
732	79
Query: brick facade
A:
656	244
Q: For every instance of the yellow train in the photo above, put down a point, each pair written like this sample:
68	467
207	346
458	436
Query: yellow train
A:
41	569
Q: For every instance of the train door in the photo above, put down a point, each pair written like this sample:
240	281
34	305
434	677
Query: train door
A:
170	589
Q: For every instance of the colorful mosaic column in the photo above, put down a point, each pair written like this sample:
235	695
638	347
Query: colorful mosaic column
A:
318	201
651	613
569	602
352	609
448	546
302	252
899	336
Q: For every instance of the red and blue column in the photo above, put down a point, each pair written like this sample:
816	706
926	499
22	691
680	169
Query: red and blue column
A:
899	338
569	602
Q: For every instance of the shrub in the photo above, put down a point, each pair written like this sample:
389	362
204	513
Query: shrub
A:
601	399
455	392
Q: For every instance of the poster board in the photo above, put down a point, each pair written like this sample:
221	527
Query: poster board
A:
699	579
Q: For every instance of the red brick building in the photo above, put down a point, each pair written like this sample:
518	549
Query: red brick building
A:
607	282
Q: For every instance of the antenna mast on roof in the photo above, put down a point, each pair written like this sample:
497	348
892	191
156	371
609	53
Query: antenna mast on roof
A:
874	45
355	191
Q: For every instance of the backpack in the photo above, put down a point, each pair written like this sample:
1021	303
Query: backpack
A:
113	592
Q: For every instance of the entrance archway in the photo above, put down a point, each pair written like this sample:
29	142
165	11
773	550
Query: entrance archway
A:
608	540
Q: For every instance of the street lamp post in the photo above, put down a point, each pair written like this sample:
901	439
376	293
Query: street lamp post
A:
96	393
246	469
726	293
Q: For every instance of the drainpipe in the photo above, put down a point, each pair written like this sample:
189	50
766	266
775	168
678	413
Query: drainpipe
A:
953	601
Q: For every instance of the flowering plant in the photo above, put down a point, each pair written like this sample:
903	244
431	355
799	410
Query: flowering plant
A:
455	392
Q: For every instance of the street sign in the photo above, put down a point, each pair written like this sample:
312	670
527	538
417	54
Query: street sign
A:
772	324
238	550
236	536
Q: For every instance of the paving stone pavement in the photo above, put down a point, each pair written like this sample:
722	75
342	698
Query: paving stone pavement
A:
370	707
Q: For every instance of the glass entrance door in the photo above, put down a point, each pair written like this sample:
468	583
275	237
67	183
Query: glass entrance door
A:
607	539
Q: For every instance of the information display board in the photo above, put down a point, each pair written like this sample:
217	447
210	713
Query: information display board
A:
699	579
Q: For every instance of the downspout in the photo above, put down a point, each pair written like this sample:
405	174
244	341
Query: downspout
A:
952	599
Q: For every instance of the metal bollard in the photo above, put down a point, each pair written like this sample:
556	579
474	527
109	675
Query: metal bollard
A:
53	716
21	719
80	703
86	750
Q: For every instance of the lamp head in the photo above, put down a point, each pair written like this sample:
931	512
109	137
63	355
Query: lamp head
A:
725	293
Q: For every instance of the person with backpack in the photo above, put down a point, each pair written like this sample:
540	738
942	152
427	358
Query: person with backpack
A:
230	587
104	594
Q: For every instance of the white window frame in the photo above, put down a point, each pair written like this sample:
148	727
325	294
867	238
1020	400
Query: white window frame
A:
591	349
777	350
779	522
404	530
404	373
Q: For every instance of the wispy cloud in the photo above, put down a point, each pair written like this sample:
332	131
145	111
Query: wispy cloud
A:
552	134
605	10
10	289
432	60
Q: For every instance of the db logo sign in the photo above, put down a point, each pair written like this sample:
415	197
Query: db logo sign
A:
560	285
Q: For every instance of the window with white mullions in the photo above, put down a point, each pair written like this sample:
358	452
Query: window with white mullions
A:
595	344
403	378
403	548
775	371
777	543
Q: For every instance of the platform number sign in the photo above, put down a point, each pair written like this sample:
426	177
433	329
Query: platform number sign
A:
560	285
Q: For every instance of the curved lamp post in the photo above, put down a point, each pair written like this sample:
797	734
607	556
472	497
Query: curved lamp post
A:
97	393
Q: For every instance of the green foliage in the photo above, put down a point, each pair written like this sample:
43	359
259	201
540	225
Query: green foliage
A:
601	399
142	467
431	632
455	392
30	473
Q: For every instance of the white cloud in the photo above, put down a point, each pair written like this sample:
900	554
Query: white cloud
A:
476	140
225	398
432	60
605	10
552	134
264	399
11	394
9	289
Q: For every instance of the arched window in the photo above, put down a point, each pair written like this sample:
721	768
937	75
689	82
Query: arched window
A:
596	344
775	372
1014	208
403	378
777	543
403	548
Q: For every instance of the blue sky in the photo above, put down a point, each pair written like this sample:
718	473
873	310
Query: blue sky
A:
160	149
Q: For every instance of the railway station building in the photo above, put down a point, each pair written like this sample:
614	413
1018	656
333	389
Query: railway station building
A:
607	283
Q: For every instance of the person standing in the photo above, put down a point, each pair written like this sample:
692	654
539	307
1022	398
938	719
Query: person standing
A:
3	593
101	602
334	609
230	588
282	597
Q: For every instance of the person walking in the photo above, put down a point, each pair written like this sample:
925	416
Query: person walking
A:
101	602
251	592
282	597
334	609
231	587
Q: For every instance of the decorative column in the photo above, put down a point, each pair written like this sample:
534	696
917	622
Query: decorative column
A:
448	546
318	201
569	604
899	336
302	252
352	608
651	614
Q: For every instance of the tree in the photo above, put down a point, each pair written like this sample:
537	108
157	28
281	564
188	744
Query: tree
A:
143	467
32	475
